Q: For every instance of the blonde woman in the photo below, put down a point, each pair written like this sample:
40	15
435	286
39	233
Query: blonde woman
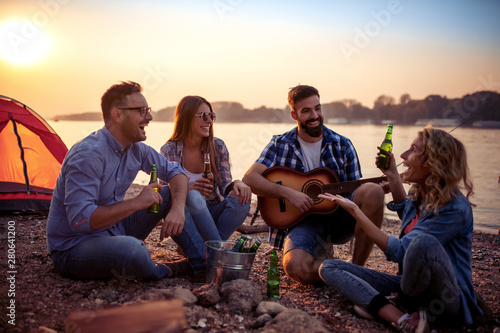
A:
434	247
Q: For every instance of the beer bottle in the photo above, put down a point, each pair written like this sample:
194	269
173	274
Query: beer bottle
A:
255	246
207	174
155	208
239	244
384	161
273	277
245	248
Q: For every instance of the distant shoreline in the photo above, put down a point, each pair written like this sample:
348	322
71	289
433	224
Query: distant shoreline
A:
479	109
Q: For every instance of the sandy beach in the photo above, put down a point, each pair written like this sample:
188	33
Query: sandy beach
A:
43	298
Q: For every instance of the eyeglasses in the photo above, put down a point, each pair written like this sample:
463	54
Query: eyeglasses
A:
205	116
143	110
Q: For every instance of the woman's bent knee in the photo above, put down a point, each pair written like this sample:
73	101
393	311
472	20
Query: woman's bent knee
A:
195	202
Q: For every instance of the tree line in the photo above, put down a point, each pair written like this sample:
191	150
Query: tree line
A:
481	105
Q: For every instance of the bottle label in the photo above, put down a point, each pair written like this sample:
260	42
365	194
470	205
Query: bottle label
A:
155	208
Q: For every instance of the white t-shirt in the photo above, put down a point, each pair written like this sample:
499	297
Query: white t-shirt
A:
311	151
192	176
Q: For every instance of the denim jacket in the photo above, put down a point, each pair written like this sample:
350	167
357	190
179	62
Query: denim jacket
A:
452	226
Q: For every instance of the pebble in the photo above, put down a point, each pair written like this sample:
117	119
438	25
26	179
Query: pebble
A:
202	322
262	320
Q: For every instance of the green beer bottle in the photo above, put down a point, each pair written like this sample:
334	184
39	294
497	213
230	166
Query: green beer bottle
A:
239	244
255	246
384	161
273	277
245	248
155	208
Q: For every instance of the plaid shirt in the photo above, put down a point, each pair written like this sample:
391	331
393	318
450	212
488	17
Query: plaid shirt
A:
174	152
337	154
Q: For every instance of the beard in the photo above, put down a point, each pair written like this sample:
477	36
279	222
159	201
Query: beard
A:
315	131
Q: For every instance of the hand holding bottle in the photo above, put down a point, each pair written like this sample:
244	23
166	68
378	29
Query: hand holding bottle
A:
202	185
149	196
153	184
392	170
207	176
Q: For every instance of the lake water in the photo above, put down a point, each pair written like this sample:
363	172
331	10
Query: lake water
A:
246	141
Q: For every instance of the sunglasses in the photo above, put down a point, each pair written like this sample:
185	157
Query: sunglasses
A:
143	110
206	115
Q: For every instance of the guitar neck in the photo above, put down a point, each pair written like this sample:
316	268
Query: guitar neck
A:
350	186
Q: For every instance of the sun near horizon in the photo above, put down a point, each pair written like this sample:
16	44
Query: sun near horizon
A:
23	43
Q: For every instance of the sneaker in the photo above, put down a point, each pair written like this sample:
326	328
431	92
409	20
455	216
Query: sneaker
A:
363	313
414	323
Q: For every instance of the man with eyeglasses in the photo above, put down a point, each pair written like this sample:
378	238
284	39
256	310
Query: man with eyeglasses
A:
92	231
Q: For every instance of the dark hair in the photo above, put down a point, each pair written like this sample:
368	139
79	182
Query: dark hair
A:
184	114
116	94
300	92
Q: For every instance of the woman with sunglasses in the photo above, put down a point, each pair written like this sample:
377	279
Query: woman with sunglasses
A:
434	247
218	217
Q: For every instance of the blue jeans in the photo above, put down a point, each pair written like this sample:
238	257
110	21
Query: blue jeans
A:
314	232
216	222
428	280
120	255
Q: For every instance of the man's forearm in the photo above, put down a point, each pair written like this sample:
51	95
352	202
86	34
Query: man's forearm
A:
262	187
106	216
178	190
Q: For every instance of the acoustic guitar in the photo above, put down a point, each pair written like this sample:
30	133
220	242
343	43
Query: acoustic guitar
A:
280	214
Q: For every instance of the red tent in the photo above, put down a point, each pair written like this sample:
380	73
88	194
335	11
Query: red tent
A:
31	154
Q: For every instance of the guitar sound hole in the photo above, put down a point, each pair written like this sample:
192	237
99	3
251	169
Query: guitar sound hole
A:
313	188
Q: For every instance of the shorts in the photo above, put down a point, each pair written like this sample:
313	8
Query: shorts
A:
315	232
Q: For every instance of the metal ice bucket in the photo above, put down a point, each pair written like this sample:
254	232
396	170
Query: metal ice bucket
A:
223	265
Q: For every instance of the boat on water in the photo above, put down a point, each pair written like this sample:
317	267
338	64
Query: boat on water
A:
439	122
362	122
336	121
486	124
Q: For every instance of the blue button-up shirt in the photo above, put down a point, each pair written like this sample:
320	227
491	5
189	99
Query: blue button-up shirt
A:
337	154
97	171
452	226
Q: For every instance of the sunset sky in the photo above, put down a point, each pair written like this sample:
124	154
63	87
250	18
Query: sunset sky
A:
59	56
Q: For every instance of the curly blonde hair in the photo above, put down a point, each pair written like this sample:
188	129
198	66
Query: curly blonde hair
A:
446	158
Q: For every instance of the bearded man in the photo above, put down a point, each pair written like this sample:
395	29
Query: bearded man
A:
309	146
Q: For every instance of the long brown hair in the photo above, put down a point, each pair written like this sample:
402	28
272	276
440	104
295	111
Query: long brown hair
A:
447	161
184	114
